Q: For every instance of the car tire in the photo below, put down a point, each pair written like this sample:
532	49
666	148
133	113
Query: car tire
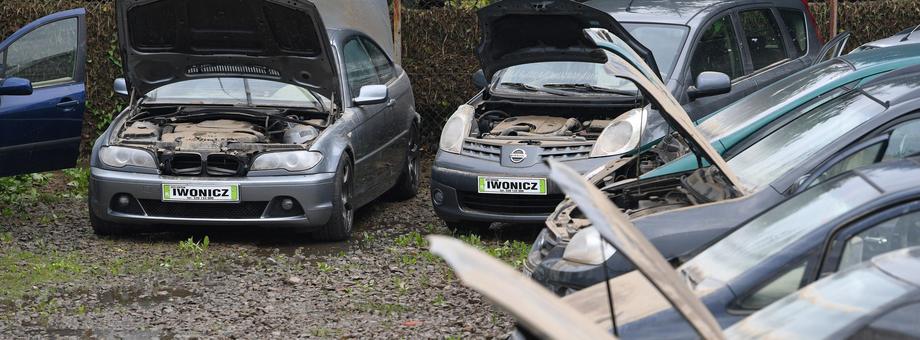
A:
343	211
469	227
407	185
105	228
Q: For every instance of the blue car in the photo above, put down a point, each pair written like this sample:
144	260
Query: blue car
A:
43	94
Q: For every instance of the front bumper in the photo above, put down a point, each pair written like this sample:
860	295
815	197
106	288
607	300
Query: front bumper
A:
258	206
545	265
456	197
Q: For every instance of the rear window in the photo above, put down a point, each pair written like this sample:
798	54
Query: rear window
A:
795	25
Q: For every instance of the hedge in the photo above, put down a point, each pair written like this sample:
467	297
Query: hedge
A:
438	47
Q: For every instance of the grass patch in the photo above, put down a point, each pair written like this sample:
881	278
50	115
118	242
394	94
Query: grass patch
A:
21	270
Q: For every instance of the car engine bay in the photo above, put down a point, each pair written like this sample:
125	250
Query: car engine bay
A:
538	123
217	141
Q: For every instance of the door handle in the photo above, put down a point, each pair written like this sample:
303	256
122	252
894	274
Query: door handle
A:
391	102
68	104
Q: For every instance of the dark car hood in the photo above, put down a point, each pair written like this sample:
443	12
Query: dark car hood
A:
168	41
516	32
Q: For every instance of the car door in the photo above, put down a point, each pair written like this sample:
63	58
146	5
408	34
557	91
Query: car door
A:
369	138
833	48
398	110
717	49
766	46
41	131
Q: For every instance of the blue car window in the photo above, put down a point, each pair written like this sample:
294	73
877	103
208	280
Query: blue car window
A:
45	56
770	99
772	232
801	139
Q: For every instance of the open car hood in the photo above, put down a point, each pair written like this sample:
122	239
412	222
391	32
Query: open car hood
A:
627	64
516	32
168	41
615	228
538	310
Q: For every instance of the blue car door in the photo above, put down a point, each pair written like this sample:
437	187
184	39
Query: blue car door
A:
41	131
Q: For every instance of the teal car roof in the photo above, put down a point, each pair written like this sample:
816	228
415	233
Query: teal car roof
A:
866	65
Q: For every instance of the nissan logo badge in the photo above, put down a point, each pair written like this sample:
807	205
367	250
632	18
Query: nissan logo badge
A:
518	155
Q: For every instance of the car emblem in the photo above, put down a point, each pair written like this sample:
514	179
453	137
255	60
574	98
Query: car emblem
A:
518	155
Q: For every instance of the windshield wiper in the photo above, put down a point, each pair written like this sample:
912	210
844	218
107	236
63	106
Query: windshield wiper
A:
590	88
531	88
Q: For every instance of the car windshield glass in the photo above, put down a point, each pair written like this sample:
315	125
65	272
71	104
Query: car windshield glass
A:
823	308
665	42
801	139
232	91
769	100
776	229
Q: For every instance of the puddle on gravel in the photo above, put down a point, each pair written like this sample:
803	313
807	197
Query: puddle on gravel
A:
142	297
102	334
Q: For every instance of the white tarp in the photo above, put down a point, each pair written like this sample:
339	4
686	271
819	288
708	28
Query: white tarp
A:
372	17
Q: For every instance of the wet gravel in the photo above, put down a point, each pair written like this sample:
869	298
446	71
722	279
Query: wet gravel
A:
246	283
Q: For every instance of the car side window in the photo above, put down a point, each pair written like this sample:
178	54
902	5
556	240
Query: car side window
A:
763	37
904	141
795	25
359	68
864	157
718	51
45	56
385	69
900	323
781	286
897	233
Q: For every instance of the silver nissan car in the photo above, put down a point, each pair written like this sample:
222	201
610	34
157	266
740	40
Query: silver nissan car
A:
256	114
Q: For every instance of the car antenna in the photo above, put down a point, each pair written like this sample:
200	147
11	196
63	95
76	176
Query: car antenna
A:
613	314
629	6
906	37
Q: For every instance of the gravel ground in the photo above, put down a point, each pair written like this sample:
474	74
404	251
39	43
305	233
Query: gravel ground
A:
57	279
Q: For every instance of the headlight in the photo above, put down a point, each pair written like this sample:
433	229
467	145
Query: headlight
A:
621	136
587	247
457	129
293	161
120	157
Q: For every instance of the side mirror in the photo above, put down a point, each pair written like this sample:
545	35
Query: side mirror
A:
15	87
710	84
121	86
372	95
479	79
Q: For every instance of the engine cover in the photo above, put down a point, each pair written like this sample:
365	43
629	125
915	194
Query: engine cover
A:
211	134
538	125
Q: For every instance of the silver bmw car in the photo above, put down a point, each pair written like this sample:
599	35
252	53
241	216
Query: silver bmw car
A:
256	114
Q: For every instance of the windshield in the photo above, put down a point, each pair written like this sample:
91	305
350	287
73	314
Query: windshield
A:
769	100
665	42
778	228
232	91
801	139
823	308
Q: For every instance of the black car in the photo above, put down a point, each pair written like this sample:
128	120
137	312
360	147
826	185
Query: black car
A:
855	125
542	102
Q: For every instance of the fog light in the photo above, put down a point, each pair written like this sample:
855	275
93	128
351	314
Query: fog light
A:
287	204
437	196
124	201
